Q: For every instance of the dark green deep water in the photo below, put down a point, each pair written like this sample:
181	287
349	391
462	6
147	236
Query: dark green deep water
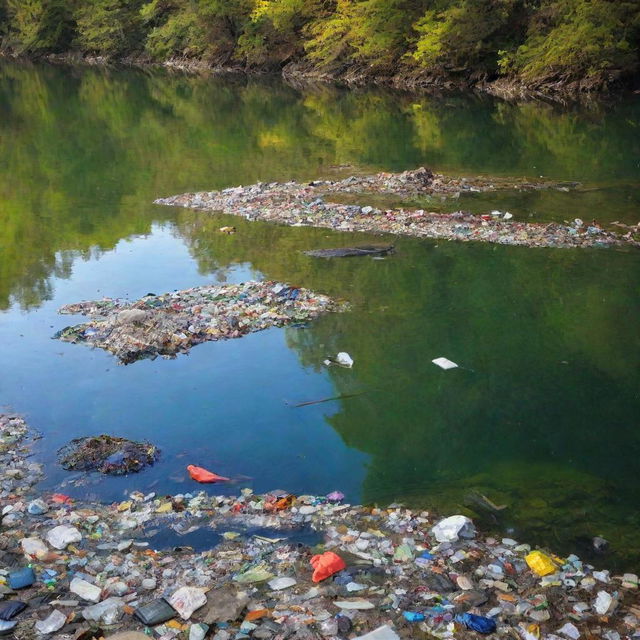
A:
545	417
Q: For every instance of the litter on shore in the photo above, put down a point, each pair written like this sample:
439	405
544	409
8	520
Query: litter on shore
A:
172	323
86	570
308	204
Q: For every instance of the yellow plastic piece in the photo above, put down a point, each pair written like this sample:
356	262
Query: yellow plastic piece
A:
541	563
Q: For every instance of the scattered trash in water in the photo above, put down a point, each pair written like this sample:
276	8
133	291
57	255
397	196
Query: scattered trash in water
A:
107	454
306	204
172	323
199	536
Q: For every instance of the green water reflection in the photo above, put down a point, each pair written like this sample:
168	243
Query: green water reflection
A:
543	419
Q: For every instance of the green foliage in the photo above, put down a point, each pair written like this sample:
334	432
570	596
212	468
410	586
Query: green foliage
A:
363	31
39	26
108	27
273	34
177	30
464	35
574	39
4	17
538	42
207	29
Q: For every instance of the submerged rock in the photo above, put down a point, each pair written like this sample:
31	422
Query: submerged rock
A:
348	252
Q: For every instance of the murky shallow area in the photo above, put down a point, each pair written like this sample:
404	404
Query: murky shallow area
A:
543	417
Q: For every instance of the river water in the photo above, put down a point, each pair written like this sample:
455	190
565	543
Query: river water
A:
543	418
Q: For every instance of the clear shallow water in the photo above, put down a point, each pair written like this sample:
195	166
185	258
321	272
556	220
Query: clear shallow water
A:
544	419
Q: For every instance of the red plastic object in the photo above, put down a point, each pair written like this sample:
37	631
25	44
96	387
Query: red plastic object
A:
326	565
61	498
202	475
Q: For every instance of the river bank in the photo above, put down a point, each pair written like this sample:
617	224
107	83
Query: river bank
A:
87	570
308	204
303	74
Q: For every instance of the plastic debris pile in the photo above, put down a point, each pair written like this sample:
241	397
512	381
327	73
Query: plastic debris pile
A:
107	454
84	570
307	204
172	323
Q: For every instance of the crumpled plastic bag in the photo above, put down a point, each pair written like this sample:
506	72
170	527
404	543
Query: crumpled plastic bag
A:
540	563
200	474
477	623
186	600
325	565
63	535
453	528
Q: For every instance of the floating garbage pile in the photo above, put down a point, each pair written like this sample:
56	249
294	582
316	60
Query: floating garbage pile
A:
297	204
82	571
107	454
172	323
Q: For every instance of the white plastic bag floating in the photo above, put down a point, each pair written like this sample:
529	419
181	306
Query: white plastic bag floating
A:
507	216
445	363
452	528
344	359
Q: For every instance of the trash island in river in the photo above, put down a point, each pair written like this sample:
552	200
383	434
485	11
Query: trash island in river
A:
84	570
309	204
172	323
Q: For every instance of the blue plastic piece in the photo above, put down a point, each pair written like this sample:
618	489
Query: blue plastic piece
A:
477	623
413	616
22	578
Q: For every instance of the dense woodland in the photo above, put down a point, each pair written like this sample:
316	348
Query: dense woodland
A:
583	44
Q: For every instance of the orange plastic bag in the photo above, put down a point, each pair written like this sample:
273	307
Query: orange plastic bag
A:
202	475
326	565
